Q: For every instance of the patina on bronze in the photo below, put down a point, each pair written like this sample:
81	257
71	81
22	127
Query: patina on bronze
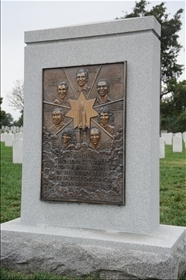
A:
83	139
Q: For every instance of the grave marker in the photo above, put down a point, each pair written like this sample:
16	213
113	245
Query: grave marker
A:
162	147
177	144
9	139
17	150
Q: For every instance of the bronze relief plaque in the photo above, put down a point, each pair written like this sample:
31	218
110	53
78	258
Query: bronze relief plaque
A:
83	136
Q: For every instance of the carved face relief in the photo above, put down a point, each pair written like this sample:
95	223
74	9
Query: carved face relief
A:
102	88
104	118
62	91
81	79
57	117
66	138
95	137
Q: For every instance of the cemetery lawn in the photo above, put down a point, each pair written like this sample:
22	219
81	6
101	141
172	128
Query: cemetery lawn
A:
9	274
172	200
173	188
10	185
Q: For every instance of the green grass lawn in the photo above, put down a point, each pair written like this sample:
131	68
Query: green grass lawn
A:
172	198
173	188
10	185
9	274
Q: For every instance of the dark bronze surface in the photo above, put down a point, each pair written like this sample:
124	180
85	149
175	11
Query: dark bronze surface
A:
83	141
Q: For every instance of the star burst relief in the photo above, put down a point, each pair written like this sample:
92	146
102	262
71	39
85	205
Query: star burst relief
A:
82	111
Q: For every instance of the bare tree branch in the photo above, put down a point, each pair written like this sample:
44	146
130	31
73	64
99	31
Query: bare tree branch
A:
16	99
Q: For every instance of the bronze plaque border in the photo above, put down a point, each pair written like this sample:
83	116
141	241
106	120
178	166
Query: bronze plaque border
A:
123	202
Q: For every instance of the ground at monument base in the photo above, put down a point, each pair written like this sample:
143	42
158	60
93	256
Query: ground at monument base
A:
110	254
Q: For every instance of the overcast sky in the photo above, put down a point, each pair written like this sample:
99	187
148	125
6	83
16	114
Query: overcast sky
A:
20	16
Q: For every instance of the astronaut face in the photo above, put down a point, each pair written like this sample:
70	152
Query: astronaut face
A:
62	91
102	88
57	117
95	136
66	138
104	118
81	79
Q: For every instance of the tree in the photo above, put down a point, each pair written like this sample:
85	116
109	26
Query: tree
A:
16	99
172	95
8	120
173	107
19	122
170	69
2	113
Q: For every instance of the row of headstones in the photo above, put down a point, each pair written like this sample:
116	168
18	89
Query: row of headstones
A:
14	140
12	129
177	140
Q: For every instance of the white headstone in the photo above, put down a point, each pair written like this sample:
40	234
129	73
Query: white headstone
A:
3	136
162	147
184	136
168	137
9	139
19	135
178	134
17	150
17	129
177	144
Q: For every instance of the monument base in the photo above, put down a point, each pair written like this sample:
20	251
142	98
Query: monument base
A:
109	254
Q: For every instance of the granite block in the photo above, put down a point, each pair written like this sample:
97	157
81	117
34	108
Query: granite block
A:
141	50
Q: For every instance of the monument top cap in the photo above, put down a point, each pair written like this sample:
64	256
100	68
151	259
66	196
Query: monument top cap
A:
104	28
